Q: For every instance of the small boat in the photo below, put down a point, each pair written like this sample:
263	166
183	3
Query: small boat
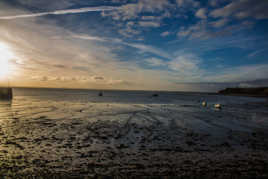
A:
155	95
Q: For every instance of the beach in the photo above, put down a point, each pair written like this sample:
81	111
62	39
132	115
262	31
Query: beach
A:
76	133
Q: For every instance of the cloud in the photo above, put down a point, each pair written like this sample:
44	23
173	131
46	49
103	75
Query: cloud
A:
148	17
198	30
87	37
220	23
188	3
61	12
60	66
243	9
141	47
185	64
150	49
149	24
81	68
256	53
157	10
216	29
215	3
166	33
184	32
201	13
155	62
129	31
132	11
44	78
118	82
240	73
98	78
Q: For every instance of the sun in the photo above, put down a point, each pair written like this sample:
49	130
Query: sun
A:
5	55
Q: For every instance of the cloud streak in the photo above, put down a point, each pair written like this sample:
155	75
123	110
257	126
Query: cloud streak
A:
62	12
141	47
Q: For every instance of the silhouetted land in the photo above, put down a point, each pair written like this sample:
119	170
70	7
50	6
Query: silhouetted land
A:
262	91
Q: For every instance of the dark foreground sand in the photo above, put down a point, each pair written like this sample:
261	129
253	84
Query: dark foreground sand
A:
129	140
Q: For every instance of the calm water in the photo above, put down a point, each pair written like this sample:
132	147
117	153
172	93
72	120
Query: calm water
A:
84	103
127	96
32	101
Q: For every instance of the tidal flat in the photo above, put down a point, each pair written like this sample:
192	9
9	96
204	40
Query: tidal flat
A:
77	134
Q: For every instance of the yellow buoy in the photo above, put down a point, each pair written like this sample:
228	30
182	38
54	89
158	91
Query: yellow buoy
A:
204	103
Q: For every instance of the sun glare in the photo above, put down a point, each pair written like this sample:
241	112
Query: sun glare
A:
5	55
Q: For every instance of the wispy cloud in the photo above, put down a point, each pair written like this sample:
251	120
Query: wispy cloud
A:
240	73
61	12
257	52
166	33
201	13
87	37
149	24
141	47
243	9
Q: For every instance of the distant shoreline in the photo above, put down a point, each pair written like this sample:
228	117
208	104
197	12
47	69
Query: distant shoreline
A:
248	92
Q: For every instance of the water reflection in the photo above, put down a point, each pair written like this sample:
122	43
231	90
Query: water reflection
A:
5	107
7	103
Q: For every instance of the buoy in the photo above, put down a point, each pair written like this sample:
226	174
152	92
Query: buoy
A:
218	106
204	103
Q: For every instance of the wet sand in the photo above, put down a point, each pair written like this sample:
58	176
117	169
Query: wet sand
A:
65	140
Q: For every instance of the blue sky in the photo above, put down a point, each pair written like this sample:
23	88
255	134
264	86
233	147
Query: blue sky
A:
184	45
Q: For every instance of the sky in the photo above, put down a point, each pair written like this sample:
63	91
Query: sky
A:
178	45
